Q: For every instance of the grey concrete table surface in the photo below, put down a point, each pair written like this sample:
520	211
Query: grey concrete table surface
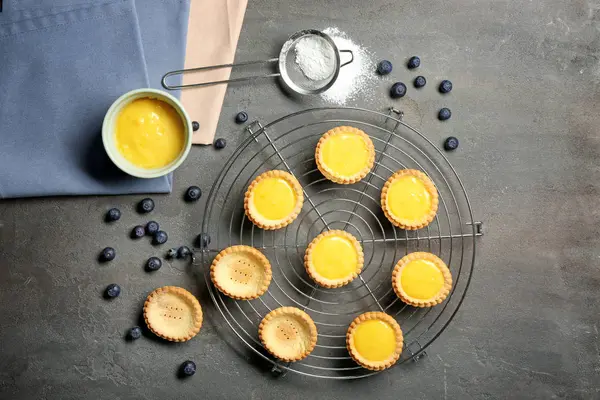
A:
525	107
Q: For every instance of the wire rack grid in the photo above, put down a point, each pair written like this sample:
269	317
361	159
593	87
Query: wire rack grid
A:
288	143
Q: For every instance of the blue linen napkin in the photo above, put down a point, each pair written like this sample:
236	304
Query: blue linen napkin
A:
163	25
63	65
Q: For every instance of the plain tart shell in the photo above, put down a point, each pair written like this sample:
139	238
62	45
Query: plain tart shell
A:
268	224
356	356
321	280
408	224
241	272
335	176
173	313
421	255
288	333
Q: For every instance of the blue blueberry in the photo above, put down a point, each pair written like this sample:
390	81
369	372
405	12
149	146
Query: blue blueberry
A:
195	126
183	252
108	254
172	253
414	62
384	67
420	81
146	205
445	86
153	264
151	228
444	114
135	333
451	143
220	143
114	214
160	237
203	240
193	193
398	90
188	368
113	290
138	232
241	117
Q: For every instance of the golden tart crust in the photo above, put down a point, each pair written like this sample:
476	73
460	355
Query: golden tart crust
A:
288	333
385	329
241	272
403	292
419	221
280	221
354	262
338	176
173	313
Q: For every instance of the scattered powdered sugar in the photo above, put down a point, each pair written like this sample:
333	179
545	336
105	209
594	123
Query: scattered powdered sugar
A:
315	57
356	79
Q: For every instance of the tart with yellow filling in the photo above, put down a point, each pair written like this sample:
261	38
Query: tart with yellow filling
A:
241	272
374	340
421	279
173	313
345	154
273	200
334	259
288	333
409	199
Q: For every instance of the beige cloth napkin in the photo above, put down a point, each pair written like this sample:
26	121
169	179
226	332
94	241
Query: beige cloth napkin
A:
213	30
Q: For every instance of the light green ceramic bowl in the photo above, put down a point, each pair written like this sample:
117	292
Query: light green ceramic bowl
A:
108	133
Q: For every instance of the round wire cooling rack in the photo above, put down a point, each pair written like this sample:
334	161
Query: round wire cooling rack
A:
288	144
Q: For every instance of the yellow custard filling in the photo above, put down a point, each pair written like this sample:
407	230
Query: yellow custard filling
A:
421	279
375	340
334	257
408	198
149	133
274	198
345	153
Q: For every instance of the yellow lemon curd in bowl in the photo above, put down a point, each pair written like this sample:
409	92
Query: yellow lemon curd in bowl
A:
149	133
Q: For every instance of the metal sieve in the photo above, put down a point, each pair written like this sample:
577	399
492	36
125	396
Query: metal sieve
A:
289	72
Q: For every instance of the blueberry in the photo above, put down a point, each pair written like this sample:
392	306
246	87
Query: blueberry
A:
160	237
444	114
451	143
241	117
153	264
113	215
193	193
183	252
151	228
146	205
195	126
135	333
203	240
420	81
414	62
188	368
172	252
220	143
398	90
384	67
445	86
108	254
113	290
138	232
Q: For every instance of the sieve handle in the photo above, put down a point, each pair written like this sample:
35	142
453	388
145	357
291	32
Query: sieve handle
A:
189	85
351	57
